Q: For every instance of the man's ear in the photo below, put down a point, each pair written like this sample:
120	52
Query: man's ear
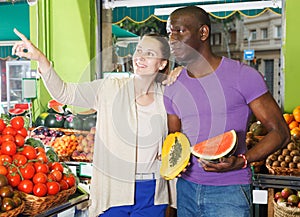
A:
204	32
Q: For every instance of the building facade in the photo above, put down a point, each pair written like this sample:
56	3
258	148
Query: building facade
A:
263	34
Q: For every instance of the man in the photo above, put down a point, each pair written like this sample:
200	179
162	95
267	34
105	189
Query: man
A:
213	95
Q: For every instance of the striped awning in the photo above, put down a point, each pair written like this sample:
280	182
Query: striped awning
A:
222	9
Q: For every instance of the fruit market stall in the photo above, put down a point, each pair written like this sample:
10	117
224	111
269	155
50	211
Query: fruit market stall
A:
37	181
287	188
280	172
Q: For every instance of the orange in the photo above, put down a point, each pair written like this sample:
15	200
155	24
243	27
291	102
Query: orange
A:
288	117
293	124
297	117
296	113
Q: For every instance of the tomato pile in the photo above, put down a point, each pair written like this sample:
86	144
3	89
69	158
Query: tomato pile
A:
28	168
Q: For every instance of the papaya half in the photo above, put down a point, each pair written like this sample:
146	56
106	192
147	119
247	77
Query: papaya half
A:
175	155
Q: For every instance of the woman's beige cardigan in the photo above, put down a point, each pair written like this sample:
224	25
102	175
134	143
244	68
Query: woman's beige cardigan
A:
114	161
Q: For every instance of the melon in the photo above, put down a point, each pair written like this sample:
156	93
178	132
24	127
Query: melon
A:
87	113
89	122
73	122
216	147
40	120
175	155
56	107
54	120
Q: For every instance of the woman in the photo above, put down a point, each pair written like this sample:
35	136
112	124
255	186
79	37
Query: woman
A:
131	126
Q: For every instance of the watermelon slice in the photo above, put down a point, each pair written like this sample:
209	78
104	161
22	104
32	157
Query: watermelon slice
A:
175	155
56	106
17	111
216	147
25	106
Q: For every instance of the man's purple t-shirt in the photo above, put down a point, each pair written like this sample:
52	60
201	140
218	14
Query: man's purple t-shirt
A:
212	105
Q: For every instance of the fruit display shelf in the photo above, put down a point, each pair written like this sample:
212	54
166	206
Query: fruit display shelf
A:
69	144
276	181
271	182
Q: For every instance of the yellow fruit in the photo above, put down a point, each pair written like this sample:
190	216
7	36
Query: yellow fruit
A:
296	113
293	124
288	117
175	155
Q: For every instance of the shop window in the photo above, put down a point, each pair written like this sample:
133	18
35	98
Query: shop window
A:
253	34
215	39
232	38
278	31
264	33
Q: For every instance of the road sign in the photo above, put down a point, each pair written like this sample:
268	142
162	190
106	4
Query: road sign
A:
248	54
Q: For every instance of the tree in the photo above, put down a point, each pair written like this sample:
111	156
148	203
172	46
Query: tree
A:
152	25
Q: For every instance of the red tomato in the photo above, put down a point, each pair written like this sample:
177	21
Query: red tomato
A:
23	132
50	164
27	171
5	158
41	167
3	170
29	152
70	179
57	166
19	159
53	188
9	148
57	174
19	140
40	178
17	122
63	185
9	131
25	186
6	138
12	169
42	157
50	177
14	179
40	189
2	125
40	150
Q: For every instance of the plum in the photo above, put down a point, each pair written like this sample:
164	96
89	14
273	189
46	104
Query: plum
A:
277	195
286	192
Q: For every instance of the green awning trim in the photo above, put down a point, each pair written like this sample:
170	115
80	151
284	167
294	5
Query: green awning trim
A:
142	14
122	33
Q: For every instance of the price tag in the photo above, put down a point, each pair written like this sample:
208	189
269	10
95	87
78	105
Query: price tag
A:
260	196
73	169
85	169
67	213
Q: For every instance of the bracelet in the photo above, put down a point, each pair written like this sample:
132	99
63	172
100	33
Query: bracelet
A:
245	160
